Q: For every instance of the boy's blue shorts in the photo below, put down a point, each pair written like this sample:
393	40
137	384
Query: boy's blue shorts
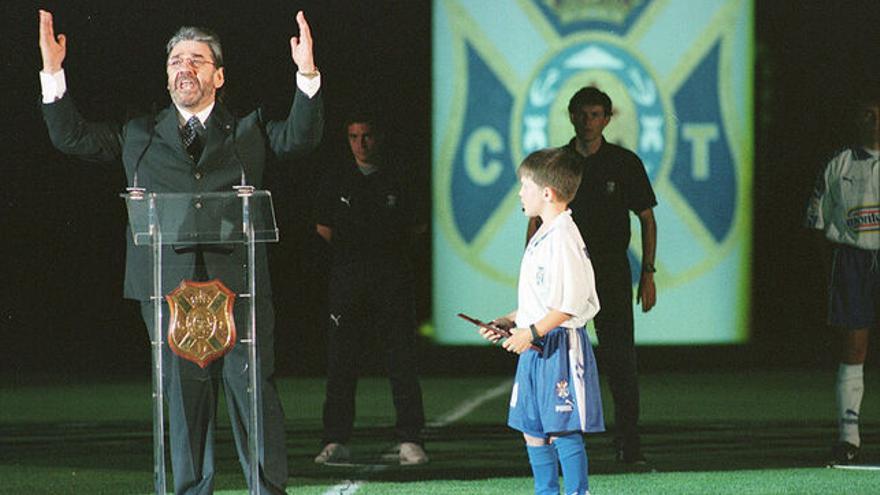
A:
557	390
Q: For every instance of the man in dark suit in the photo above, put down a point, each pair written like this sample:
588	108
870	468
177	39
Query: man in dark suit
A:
197	145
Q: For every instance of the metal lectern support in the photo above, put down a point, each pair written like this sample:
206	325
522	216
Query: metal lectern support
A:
156	346
146	230
255	437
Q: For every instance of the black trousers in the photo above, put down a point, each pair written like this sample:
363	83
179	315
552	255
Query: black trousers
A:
617	352
192	393
366	301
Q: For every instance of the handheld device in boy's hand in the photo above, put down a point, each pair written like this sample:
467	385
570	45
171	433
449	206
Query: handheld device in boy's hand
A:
501	332
497	330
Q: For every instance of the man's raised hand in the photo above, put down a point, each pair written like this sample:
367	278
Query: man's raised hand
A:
52	48
301	46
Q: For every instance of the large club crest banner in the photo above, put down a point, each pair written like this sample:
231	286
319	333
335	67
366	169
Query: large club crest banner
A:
680	75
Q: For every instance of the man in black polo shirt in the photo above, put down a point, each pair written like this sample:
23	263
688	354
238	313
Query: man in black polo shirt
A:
367	216
613	184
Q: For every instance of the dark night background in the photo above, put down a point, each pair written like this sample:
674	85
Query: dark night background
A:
62	223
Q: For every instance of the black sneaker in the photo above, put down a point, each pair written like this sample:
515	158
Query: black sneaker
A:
844	454
630	454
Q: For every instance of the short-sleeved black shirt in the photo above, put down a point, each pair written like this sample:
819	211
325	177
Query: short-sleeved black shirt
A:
613	183
371	215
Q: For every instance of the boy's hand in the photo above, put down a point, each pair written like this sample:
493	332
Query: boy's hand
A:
519	342
503	322
489	335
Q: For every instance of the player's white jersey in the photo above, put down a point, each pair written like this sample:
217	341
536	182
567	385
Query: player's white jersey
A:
846	200
556	273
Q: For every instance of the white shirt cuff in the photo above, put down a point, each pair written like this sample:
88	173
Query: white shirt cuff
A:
308	86
53	85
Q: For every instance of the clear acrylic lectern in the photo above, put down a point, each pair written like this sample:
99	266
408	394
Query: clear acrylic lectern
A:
242	216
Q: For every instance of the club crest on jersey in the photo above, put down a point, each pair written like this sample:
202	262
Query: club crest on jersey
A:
391	201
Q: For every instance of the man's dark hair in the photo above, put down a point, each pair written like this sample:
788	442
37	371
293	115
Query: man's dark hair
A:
361	116
589	95
190	33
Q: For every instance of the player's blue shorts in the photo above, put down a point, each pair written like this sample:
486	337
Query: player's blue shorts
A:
557	390
854	292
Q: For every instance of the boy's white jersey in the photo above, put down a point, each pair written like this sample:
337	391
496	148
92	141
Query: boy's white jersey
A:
556	273
846	201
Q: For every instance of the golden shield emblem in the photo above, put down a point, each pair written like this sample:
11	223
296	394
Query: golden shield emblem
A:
201	328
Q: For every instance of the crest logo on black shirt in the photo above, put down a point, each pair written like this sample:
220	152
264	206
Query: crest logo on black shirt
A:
610	187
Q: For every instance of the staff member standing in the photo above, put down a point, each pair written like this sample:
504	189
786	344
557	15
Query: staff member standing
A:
367	215
614	183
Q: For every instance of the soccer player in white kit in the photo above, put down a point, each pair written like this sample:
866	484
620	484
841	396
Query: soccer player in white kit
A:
846	207
555	397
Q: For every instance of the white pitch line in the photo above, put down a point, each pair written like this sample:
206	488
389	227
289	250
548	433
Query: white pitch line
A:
858	467
471	404
349	487
345	488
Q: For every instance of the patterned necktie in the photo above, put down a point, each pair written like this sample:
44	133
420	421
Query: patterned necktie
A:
190	136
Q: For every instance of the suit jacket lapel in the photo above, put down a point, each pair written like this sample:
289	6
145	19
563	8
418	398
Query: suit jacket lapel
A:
168	130
217	129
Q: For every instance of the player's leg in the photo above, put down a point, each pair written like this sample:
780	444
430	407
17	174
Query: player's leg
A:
850	388
343	320
525	415
851	313
573	457
617	355
545	465
393	305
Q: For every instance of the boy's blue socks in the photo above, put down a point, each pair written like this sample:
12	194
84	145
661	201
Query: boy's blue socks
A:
573	457
545	468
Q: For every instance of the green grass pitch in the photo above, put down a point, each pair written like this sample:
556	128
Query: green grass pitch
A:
758	432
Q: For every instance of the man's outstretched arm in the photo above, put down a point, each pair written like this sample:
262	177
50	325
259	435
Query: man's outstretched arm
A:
69	132
303	129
